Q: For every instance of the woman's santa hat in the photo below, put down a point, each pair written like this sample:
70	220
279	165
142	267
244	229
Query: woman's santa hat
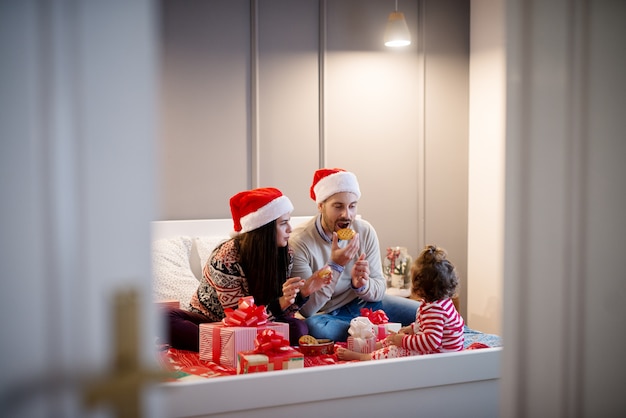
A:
252	209
328	181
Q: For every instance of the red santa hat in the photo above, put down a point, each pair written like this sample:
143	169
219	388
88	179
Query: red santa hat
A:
328	181
252	209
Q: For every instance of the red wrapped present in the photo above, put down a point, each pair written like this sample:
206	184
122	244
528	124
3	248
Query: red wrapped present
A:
272	352
381	322
221	341
285	359
382	330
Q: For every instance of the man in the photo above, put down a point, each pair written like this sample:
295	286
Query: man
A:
358	281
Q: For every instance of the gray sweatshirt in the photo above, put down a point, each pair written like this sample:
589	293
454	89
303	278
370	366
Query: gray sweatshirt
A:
312	252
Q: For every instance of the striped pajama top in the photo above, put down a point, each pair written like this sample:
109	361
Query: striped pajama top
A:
438	328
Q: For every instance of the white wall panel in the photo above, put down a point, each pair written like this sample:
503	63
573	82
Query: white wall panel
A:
288	98
446	130
372	113
205	155
486	166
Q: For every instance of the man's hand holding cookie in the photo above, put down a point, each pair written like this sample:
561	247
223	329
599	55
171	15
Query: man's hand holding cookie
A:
346	234
342	256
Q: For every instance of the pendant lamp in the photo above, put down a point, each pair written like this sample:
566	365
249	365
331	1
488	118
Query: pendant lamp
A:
397	32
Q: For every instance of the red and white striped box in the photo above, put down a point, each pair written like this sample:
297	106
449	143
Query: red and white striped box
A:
361	345
220	343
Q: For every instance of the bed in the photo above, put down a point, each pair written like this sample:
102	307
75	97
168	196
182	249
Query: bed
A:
451	384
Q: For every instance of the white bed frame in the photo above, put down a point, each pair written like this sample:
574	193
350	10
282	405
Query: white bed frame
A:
442	385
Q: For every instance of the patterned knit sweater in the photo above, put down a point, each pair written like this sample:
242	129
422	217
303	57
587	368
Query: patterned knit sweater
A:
224	283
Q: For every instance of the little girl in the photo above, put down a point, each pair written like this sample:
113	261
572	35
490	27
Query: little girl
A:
438	327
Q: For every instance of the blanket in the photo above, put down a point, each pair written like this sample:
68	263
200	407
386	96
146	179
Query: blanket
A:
186	365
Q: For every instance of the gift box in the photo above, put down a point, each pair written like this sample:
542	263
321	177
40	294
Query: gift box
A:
381	323
361	345
271	352
382	330
220	343
283	359
362	338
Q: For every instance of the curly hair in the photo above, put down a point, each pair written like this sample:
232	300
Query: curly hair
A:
264	263
433	276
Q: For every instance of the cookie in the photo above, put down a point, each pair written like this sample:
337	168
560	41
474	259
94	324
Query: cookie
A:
307	340
326	272
346	234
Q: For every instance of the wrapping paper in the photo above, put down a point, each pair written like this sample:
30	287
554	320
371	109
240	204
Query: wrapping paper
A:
362	338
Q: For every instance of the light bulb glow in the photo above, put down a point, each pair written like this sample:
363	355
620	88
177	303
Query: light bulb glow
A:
397	32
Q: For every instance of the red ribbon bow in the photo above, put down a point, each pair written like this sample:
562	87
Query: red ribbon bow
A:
268	341
376	318
246	315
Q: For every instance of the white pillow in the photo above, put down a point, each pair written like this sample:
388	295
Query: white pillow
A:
206	245
172	275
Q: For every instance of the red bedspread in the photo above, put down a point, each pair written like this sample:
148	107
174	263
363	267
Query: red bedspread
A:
187	365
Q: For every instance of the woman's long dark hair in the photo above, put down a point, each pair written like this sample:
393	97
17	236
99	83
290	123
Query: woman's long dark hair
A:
264	263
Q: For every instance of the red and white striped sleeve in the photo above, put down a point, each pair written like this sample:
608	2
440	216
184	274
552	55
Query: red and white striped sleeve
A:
441	329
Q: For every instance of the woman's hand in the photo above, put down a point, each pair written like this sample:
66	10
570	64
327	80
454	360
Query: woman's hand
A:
291	288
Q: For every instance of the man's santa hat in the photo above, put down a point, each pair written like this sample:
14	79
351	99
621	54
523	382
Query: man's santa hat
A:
328	181
252	209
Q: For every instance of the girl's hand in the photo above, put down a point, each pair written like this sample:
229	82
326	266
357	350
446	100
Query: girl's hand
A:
393	339
406	330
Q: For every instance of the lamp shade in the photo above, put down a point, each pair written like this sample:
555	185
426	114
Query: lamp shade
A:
397	32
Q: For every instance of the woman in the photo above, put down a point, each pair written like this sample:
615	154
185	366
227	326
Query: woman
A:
256	262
